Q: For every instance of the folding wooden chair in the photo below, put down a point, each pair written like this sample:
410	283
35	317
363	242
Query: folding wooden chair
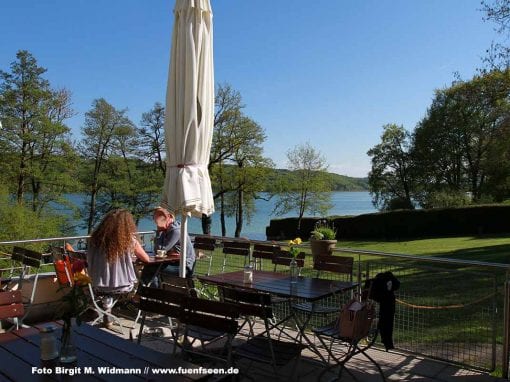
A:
31	264
262	348
165	302
63	263
263	252
178	286
13	265
283	258
204	247
362	335
235	250
186	287
336	266
209	322
174	283
11	307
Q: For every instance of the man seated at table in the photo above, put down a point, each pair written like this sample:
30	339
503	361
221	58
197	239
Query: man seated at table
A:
168	238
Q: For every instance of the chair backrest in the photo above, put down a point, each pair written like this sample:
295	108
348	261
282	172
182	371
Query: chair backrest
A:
11	305
18	253
32	258
74	255
265	251
238	248
284	258
335	264
176	284
204	243
249	303
160	301
209	314
57	250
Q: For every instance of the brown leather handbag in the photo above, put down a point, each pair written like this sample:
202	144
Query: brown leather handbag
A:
356	319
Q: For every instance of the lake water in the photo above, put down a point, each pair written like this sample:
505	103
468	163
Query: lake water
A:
345	203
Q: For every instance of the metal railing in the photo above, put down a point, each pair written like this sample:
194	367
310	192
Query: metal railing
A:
453	310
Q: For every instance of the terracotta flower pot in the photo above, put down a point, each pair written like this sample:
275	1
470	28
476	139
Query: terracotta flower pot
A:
322	247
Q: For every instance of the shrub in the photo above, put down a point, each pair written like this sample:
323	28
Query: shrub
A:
405	224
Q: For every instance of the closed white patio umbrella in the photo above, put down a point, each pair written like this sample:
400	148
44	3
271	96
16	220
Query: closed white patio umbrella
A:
189	115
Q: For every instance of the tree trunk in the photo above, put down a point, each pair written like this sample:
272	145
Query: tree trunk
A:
298	230
35	195
222	216
206	224
21	175
239	214
92	209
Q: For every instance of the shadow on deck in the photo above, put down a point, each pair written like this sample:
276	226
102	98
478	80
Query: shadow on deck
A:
397	366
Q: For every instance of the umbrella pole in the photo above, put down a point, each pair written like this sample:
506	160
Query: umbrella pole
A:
184	244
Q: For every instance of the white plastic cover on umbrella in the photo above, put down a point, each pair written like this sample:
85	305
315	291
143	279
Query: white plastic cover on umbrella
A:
189	116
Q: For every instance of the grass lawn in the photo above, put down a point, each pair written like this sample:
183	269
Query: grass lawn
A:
482	248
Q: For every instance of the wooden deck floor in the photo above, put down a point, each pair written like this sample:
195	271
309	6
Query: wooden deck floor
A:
397	366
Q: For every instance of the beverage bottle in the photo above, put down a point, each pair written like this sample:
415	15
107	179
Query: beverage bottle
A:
49	349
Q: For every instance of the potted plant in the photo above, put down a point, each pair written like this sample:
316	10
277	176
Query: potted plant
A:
323	239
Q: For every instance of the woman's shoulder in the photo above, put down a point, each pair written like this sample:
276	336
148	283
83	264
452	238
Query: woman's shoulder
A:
175	226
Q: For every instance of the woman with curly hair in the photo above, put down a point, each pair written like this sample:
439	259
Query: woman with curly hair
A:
110	250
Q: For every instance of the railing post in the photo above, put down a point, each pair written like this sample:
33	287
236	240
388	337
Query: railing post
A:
494	322
506	334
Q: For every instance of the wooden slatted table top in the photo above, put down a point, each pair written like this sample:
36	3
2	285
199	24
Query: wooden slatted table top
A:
307	288
19	352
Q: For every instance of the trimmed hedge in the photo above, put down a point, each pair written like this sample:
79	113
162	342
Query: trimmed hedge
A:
404	224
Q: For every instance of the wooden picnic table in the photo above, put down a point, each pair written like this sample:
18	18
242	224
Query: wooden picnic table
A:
20	352
310	289
306	288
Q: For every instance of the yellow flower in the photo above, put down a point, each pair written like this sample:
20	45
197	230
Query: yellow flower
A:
291	242
81	280
297	241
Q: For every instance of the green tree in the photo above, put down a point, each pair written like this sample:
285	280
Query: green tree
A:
437	153
52	157
453	143
498	12
152	137
23	90
129	181
249	173
103	124
20	222
498	164
34	136
307	187
390	179
228	114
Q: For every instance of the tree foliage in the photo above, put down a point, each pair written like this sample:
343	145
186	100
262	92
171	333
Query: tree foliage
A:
391	179
498	54
307	186
34	136
457	154
237	165
151	141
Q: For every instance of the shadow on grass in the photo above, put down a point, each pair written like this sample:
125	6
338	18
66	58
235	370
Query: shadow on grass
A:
493	254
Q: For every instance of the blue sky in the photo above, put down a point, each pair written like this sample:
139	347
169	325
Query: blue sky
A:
328	72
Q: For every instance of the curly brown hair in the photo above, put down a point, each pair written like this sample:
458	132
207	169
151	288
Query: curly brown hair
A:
114	235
